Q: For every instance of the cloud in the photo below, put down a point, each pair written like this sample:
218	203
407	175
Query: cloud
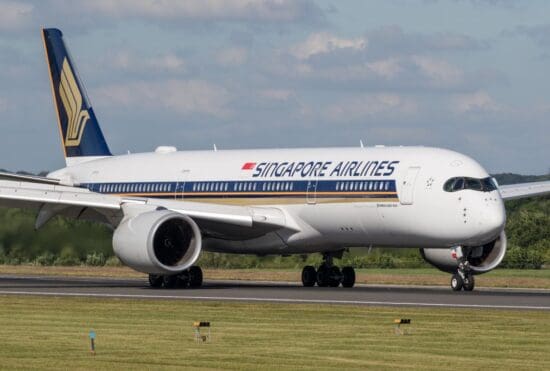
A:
231	57
183	97
15	15
439	72
476	102
369	105
392	40
322	42
129	61
277	94
387	68
539	34
200	10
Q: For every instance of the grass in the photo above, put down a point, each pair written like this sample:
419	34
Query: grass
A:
526	278
51	333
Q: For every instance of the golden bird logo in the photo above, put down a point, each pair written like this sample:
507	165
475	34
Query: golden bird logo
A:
72	102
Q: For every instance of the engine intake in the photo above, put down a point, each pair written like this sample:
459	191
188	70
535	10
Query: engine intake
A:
159	242
482	259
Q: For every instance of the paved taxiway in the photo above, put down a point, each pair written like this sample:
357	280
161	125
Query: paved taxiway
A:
280	292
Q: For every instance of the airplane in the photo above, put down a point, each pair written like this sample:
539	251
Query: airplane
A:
167	206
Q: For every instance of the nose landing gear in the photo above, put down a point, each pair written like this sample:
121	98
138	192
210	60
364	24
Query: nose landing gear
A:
328	274
463	279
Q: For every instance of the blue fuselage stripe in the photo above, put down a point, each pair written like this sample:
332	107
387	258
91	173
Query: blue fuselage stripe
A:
252	188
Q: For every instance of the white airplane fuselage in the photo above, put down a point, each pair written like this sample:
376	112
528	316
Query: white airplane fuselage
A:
337	197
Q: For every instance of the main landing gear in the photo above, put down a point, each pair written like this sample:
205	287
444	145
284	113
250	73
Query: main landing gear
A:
191	278
463	279
328	274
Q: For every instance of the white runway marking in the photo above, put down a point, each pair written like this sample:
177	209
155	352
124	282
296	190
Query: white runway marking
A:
274	300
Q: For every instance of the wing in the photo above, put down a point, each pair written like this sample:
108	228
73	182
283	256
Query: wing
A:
28	178
523	190
219	220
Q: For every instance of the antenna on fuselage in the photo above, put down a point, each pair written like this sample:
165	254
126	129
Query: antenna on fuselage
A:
361	143
215	148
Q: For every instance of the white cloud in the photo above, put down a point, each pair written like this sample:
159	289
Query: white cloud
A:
229	57
322	42
387	68
216	10
15	15
129	61
277	94
371	105
183	97
440	72
479	101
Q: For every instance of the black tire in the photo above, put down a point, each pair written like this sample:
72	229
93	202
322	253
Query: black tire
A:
456	282
335	276
323	276
469	283
155	280
170	281
183	280
348	274
195	277
309	276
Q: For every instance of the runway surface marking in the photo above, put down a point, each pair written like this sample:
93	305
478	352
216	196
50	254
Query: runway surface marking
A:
273	300
283	292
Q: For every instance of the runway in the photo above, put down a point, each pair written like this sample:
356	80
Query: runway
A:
278	292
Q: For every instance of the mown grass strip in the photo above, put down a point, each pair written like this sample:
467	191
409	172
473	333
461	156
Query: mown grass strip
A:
52	333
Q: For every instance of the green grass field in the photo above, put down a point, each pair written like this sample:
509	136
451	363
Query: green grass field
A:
52	333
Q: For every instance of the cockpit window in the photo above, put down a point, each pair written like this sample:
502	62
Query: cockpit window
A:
475	184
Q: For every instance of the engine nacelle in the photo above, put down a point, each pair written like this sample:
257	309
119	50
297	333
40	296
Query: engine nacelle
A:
159	242
482	259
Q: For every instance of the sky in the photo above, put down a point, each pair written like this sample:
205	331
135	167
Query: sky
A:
468	75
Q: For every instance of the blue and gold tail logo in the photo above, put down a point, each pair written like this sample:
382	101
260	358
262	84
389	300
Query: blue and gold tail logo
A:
81	135
72	102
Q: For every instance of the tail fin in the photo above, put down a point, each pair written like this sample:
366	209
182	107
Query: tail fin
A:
81	135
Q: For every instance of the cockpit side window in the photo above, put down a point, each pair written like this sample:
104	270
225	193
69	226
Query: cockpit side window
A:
489	184
474	184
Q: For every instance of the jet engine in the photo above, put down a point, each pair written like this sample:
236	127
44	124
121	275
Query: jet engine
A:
158	242
482	258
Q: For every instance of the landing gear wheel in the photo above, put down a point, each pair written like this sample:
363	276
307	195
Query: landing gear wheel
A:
309	276
195	277
469	283
348	279
155	281
170	281
456	282
335	276
323	276
182	279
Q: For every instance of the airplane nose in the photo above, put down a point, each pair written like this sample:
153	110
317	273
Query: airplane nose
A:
494	217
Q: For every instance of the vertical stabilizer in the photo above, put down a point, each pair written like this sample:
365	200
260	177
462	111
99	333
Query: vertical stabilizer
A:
81	135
